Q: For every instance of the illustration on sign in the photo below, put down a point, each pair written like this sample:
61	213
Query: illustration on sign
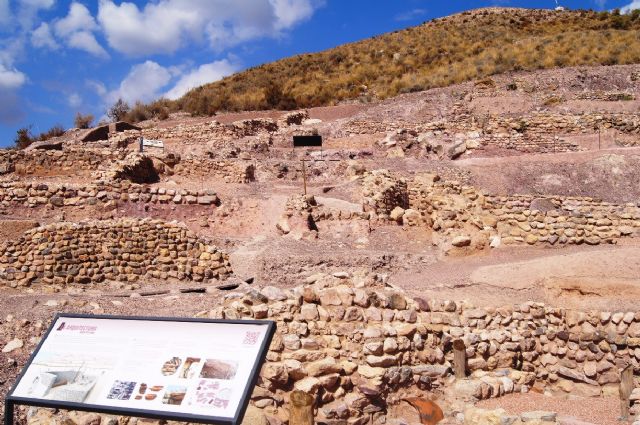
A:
165	366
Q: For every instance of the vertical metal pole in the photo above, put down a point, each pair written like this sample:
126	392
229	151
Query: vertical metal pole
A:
141	144
304	177
8	412
598	138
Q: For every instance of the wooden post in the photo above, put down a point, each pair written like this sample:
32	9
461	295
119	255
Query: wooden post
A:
626	387
304	177
459	359
301	408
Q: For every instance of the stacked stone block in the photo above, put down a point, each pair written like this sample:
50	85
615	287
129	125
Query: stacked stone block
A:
114	250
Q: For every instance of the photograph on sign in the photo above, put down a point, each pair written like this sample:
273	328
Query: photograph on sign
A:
200	368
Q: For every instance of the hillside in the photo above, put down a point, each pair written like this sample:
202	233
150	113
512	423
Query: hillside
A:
442	52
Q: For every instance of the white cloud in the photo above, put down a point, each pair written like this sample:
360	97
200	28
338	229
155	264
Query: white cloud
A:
290	12
97	87
38	4
42	37
410	15
11	111
600	3
144	83
27	11
11	79
78	19
167	25
5	12
206	73
631	6
84	40
11	105
76	29
74	100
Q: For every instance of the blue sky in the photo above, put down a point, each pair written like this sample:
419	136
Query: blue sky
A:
62	57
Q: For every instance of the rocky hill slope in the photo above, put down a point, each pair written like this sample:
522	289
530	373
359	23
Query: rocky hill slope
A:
450	50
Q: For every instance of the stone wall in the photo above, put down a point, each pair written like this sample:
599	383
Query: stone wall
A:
115	250
228	171
361	346
382	191
45	161
554	219
120	164
41	194
204	133
538	132
542	143
453	209
554	123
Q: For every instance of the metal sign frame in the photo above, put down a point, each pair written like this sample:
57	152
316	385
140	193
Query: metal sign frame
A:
11	401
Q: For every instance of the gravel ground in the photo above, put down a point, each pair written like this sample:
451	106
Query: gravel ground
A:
597	411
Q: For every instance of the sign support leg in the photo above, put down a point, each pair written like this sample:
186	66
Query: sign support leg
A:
304	177
8	412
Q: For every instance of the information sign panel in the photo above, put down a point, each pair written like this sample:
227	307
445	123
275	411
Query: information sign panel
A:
153	143
307	141
195	370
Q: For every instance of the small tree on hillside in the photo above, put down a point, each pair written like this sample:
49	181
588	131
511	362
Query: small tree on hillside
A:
23	138
55	131
118	111
83	121
276	98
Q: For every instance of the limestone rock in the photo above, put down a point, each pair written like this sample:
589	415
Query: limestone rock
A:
12	345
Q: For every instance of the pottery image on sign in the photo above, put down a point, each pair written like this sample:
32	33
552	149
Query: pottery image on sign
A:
189	367
219	369
174	394
171	366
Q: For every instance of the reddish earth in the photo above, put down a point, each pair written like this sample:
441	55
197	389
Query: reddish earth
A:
570	410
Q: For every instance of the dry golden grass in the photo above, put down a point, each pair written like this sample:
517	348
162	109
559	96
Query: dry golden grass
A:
463	47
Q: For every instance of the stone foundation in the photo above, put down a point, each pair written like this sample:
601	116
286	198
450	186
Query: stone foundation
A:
115	250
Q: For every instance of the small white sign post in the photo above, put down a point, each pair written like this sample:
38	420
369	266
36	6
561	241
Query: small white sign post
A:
150	144
192	370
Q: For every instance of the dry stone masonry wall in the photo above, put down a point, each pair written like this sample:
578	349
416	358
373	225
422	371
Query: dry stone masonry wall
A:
479	219
204	133
227	171
120	250
40	194
451	207
538	132
70	161
382	191
361	347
